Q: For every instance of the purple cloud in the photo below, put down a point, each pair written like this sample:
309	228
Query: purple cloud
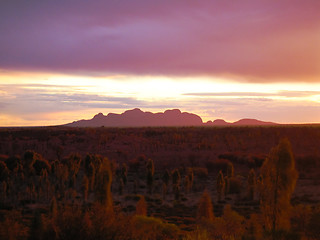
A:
254	40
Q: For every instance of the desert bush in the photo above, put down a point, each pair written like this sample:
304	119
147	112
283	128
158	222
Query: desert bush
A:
13	162
41	164
308	162
34	163
12	228
233	223
253	228
149	228
313	227
4	171
300	218
217	165
200	172
198	234
234	185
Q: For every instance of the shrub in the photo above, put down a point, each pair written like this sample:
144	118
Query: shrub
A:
217	165
200	172
205	208
149	228
141	208
234	185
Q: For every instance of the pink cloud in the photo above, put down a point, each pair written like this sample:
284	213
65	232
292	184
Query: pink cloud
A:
256	40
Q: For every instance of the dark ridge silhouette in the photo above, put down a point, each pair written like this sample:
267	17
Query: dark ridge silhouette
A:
138	118
217	122
174	117
248	122
241	122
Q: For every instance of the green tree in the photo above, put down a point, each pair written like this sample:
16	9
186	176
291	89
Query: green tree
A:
279	177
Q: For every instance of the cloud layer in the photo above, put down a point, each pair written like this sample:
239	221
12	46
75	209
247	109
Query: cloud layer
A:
258	41
39	104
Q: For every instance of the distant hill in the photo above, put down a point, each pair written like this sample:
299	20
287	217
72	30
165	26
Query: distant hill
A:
241	122
174	117
138	118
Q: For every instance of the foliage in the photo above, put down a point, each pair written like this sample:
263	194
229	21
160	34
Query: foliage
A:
149	228
251	184
205	208
279	178
220	185
141	208
103	184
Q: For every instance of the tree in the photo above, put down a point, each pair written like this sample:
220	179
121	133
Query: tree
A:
4	171
230	170
166	177
141	208
150	173
124	173
189	180
53	209
279	178
205	208
220	185
176	177
251	184
233	223
37	227
103	184
85	187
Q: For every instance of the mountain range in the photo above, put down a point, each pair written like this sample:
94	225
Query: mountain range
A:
174	117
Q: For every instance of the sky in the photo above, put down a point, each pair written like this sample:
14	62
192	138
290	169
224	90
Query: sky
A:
62	61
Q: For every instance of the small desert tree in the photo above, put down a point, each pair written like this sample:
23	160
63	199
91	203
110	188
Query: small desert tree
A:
150	173
220	185
176	178
165	182
230	170
85	187
205	208
141	208
103	184
279	178
189	180
53	209
251	184
124	173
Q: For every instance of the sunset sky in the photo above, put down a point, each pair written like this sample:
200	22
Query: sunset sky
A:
62	61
